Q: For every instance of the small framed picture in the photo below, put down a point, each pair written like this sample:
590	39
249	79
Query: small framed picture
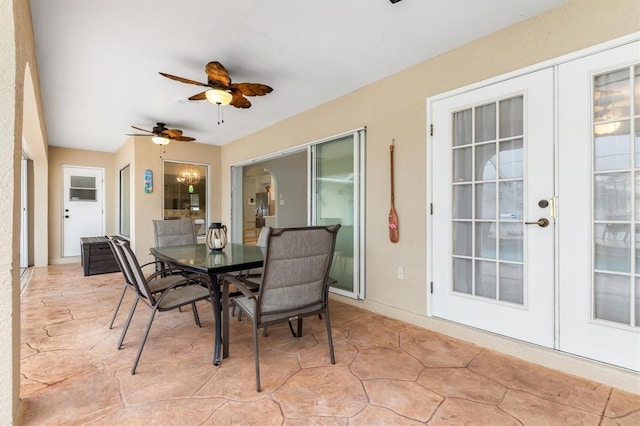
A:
251	201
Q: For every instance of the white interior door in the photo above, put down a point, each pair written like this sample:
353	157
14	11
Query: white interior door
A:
599	206
492	159
83	212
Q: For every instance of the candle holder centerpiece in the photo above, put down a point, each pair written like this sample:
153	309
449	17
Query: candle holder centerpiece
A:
216	236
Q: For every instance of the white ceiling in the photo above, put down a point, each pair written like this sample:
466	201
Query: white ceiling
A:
98	61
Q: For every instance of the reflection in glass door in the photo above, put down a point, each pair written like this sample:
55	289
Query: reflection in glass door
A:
336	200
488	201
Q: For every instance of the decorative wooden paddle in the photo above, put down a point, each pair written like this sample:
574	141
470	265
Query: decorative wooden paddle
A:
394	233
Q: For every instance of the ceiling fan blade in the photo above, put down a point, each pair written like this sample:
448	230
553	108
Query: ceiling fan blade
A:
136	134
199	97
252	89
218	74
183	138
144	130
183	80
239	101
172	133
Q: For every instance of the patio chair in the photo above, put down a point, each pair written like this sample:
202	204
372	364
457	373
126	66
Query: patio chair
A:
174	232
184	291
156	284
251	277
295	281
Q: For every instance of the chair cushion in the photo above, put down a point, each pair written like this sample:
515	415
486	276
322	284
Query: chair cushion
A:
182	296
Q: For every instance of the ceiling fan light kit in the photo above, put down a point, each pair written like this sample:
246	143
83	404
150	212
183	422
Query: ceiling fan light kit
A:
159	140
218	97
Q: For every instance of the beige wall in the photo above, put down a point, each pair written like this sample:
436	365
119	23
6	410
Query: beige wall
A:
395	108
141	154
59	157
21	129
149	206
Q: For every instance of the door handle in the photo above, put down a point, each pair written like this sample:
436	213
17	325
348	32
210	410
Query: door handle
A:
543	222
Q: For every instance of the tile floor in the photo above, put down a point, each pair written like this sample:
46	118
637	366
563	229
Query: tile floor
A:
386	372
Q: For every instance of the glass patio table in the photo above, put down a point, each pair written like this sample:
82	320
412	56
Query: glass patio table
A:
200	259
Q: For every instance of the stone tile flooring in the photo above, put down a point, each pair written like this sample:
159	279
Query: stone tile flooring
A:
387	372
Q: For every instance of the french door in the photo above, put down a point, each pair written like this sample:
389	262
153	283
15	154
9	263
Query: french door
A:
535	230
599	205
492	159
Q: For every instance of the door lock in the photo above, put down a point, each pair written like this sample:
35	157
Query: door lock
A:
543	222
543	204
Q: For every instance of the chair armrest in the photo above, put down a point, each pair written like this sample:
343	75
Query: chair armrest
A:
155	262
240	286
166	271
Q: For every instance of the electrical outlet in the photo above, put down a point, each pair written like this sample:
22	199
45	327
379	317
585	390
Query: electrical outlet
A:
400	272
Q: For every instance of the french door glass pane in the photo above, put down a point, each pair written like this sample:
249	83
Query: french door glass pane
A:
462	128
511	241
462	208
462	275
335	191
636	141
511	159
511	289
486	279
486	201
616	196
462	165
612	196
485	123
511	115
462	238
613	247
612	148
485	240
491	201
486	162
613	297
511	200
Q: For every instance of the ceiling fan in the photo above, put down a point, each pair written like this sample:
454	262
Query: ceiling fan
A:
221	91
160	135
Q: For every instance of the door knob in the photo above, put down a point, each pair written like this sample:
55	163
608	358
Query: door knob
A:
543	222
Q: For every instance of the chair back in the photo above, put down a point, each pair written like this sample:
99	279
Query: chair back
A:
296	269
262	237
176	232
134	271
119	256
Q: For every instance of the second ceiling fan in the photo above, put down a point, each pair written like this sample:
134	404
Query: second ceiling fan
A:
161	135
221	90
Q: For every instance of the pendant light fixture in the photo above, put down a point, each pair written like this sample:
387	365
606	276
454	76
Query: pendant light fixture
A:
189	176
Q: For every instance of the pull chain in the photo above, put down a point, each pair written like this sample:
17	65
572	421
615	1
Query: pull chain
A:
220	114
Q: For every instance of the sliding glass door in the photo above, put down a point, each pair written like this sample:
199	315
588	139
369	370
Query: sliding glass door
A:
333	170
336	177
